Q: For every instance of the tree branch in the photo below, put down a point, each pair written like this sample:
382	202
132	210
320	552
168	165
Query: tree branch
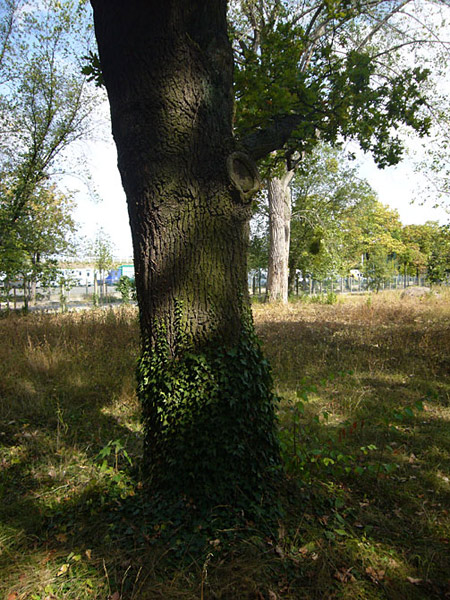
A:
380	24
262	142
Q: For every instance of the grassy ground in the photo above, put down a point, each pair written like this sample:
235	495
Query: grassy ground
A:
364	411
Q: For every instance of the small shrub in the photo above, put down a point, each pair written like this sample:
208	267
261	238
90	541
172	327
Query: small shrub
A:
127	289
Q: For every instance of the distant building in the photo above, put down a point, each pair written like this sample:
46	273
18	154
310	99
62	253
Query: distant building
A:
122	271
85	275
79	275
127	270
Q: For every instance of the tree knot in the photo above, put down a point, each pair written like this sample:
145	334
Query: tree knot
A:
243	174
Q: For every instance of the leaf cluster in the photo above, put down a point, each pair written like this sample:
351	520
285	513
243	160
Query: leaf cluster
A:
303	73
127	289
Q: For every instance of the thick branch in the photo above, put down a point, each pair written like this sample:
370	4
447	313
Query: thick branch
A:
273	137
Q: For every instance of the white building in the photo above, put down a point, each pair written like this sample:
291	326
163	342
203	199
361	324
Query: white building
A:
80	275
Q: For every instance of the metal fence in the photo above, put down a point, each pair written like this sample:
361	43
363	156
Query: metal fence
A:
338	285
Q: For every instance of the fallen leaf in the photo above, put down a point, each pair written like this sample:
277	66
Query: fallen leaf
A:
63	569
88	553
272	595
115	596
12	596
414	580
375	576
61	537
48	557
214	543
344	575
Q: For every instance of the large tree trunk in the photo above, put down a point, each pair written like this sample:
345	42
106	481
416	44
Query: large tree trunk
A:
279	194
207	404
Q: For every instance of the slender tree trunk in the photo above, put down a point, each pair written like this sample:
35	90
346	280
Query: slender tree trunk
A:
206	395
104	291
25	294
36	259
33	290
7	290
279	194
292	275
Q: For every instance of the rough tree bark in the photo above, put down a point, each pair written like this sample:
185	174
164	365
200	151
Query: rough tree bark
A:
207	404
279	195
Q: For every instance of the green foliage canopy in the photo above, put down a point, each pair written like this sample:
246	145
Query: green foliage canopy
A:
314	70
45	103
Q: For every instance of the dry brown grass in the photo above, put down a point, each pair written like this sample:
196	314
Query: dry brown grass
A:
67	389
380	336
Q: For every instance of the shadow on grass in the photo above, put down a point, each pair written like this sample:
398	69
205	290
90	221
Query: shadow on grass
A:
74	518
81	530
67	391
350	386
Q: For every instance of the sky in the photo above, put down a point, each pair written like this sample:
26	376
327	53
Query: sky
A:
400	188
395	186
109	212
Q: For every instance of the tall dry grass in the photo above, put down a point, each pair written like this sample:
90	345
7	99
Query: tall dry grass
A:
372	526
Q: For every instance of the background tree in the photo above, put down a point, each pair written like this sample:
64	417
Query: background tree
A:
324	70
379	267
41	234
438	265
45	103
325	186
101	250
334	215
418	241
373	239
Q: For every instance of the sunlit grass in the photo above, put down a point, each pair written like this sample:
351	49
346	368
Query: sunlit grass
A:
364	366
364	419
